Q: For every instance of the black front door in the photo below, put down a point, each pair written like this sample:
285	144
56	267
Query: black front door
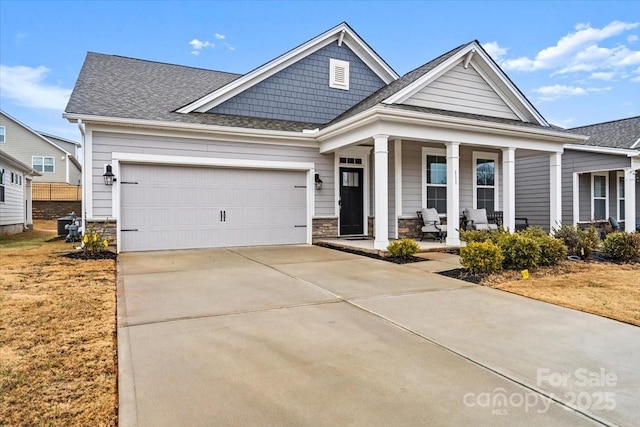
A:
351	201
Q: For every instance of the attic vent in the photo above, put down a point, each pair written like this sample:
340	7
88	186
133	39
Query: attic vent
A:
338	74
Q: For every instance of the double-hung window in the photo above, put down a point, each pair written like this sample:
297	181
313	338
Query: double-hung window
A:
42	164
3	134
599	196
485	181
434	179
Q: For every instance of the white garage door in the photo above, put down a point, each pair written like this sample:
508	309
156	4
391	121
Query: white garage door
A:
173	207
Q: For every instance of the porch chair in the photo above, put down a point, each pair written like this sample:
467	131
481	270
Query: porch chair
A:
476	219
431	224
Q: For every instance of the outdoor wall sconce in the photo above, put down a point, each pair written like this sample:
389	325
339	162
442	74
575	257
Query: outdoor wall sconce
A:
108	176
318	182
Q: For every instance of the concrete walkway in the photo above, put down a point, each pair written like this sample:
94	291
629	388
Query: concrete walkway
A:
303	335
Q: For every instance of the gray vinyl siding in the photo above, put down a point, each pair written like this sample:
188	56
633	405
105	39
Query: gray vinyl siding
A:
22	144
532	185
12	209
584	185
462	90
75	175
301	91
532	190
66	146
411	178
104	144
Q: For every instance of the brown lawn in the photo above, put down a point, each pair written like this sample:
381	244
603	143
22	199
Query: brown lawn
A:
57	334
605	289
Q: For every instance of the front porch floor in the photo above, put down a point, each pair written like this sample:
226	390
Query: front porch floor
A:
365	244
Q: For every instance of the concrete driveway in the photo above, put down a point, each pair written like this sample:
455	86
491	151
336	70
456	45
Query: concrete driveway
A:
304	335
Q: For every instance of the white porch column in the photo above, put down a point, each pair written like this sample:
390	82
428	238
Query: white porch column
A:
453	193
381	194
509	188
630	200
555	190
397	147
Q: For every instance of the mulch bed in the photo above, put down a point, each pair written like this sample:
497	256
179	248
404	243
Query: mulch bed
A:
395	260
89	256
463	274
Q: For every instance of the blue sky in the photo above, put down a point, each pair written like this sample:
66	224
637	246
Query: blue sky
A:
578	62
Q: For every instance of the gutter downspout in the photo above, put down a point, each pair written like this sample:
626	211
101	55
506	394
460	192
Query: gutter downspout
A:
84	170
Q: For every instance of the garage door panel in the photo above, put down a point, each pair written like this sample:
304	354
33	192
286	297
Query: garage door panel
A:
179	207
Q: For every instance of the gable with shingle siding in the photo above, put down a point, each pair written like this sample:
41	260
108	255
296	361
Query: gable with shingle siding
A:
301	91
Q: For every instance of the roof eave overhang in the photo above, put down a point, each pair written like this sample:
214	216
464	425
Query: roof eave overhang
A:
342	33
381	113
602	150
222	131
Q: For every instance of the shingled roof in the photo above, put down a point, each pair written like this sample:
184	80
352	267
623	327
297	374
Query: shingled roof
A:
615	134
121	87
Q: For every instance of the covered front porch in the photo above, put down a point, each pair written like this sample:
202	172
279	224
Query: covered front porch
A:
439	162
608	195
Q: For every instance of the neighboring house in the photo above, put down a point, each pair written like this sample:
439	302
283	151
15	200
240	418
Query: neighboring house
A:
15	194
600	178
324	140
53	157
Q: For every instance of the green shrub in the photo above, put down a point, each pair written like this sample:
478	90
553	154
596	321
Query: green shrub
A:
475	235
552	250
482	235
534	232
520	251
588	241
578	242
620	246
404	248
481	257
569	235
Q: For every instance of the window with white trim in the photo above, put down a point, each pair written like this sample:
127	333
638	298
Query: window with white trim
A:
3	134
338	74
42	164
2	185
485	181
434	179
599	196
620	193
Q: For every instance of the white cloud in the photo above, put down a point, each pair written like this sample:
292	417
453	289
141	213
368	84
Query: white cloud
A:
603	75
220	36
563	123
27	87
198	45
579	51
554	92
495	51
633	38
